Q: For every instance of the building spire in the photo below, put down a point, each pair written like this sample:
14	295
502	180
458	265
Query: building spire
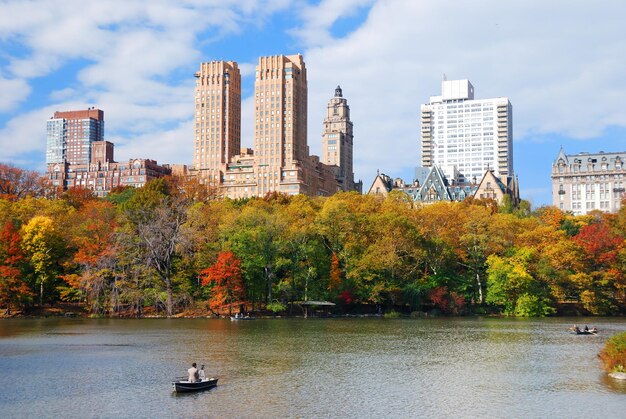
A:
338	92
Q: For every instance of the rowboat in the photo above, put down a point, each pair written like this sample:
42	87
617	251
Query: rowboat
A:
586	332
232	318
577	331
184	386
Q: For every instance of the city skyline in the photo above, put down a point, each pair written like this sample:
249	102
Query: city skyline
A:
134	60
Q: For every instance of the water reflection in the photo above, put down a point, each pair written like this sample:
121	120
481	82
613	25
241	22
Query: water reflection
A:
307	368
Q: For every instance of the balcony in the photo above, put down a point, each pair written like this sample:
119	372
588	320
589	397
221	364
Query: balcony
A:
561	192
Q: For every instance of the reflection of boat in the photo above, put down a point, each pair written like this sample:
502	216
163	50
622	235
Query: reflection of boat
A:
184	386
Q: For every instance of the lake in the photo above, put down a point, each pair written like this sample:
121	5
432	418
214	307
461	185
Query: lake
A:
286	368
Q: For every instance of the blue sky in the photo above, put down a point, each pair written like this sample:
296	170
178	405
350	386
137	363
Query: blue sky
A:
561	64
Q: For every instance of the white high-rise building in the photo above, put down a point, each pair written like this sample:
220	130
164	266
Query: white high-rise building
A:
466	136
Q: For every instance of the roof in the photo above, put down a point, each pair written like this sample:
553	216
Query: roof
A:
316	303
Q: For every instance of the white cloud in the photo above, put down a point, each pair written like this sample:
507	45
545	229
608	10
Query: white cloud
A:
129	51
169	146
12	92
318	19
560	63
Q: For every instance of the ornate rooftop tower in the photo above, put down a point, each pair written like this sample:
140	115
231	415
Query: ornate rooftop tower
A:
337	141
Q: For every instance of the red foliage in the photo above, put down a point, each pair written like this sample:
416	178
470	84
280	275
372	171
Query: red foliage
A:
16	183
439	299
448	302
226	276
13	289
599	242
346	296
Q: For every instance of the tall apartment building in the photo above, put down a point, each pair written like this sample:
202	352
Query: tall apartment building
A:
585	182
217	118
70	135
465	134
337	141
280	161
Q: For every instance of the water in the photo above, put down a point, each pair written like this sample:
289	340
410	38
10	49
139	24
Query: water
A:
275	368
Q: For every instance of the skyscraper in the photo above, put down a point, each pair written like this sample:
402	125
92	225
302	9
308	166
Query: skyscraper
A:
217	118
337	140
280	133
467	136
280	161
70	134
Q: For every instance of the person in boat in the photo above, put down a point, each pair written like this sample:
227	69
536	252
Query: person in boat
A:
193	373
586	328
576	329
201	373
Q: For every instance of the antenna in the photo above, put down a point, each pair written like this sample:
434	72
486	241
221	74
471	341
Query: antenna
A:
445	78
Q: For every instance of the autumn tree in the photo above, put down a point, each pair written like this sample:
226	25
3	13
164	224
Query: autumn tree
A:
156	214
92	235
16	183
226	278
602	250
41	242
254	236
514	284
13	289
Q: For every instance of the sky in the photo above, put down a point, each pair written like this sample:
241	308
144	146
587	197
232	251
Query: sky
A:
560	62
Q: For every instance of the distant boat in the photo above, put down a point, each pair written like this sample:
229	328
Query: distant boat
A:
592	331
184	386
233	318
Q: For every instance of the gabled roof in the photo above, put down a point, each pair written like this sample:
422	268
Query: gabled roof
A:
435	182
562	156
384	181
490	177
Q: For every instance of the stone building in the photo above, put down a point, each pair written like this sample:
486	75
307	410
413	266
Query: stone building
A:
280	160
338	142
102	173
433	186
585	182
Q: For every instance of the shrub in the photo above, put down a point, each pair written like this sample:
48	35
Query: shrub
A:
392	315
533	306
613	355
276	307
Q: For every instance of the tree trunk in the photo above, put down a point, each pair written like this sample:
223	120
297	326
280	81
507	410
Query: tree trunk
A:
480	288
169	302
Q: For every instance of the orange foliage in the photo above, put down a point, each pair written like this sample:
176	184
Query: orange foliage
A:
225	275
335	272
599	243
13	289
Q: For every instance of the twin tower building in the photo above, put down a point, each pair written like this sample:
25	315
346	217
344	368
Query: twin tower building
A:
280	160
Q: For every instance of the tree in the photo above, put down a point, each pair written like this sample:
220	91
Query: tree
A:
156	215
225	275
254	236
16	183
13	288
513	284
40	241
92	234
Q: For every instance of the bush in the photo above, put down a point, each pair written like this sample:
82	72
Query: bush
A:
392	315
276	307
613	355
533	306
